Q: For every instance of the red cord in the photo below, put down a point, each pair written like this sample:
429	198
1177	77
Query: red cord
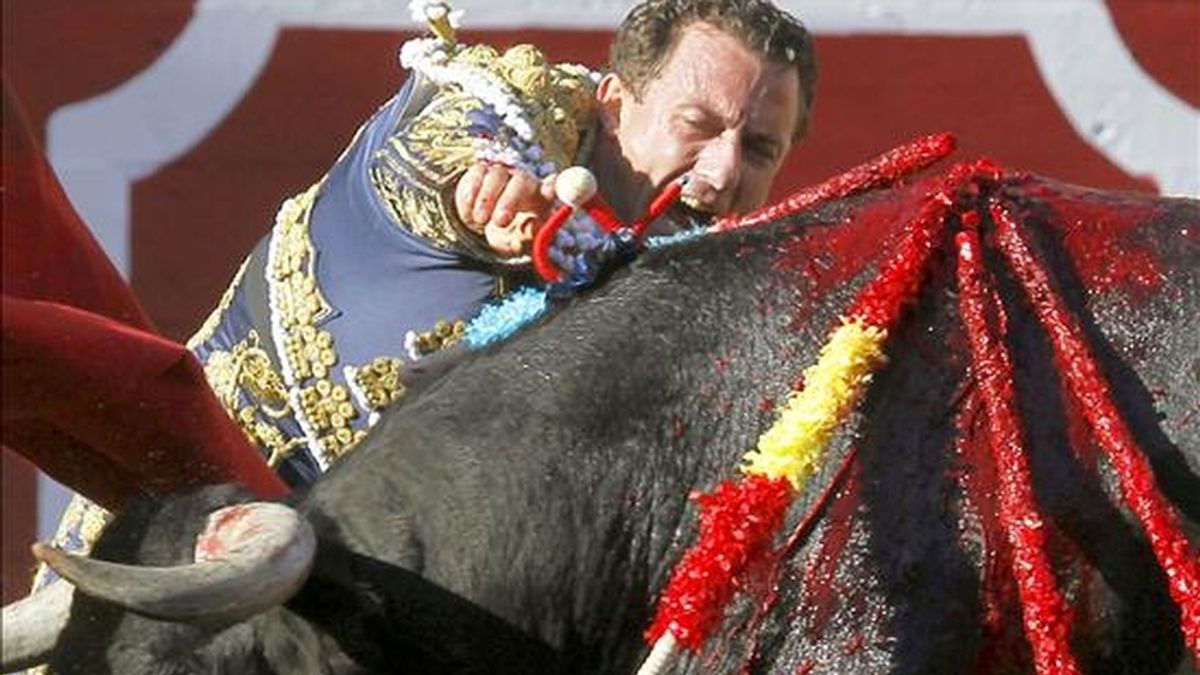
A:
542	241
886	169
1078	365
1045	615
602	213
658	206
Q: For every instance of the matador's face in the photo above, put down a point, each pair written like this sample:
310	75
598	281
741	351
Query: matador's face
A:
715	111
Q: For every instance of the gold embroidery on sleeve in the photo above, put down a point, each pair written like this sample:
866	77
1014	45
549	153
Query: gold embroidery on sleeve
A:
414	173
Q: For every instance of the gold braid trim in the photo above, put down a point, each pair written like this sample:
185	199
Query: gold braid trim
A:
78	529
259	396
322	407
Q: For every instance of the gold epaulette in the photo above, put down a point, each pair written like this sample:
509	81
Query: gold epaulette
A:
559	99
415	173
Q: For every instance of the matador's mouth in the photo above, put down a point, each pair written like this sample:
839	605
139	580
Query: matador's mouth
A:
696	205
690	213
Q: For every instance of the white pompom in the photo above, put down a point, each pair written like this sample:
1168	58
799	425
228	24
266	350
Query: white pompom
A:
575	186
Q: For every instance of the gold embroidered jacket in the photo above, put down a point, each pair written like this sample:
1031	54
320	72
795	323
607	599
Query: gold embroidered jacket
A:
370	269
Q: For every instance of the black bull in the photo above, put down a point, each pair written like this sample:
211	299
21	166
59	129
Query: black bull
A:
522	514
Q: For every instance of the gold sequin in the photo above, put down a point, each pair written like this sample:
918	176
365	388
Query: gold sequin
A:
442	335
379	383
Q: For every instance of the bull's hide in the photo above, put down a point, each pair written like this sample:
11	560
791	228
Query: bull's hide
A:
522	513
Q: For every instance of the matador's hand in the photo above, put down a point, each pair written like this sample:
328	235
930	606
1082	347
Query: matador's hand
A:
504	204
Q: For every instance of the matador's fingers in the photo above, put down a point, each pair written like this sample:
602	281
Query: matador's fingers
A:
522	194
466	192
494	182
547	188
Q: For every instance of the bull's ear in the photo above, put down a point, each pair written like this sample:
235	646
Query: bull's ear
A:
31	626
250	558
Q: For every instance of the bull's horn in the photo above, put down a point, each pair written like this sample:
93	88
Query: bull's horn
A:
250	558
31	626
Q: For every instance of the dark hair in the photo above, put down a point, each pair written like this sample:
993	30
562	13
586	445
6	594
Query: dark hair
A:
649	32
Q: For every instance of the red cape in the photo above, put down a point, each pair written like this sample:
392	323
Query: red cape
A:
92	394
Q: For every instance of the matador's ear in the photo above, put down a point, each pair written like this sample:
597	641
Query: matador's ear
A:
611	94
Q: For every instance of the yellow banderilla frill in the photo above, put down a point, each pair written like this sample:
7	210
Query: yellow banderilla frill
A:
833	386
